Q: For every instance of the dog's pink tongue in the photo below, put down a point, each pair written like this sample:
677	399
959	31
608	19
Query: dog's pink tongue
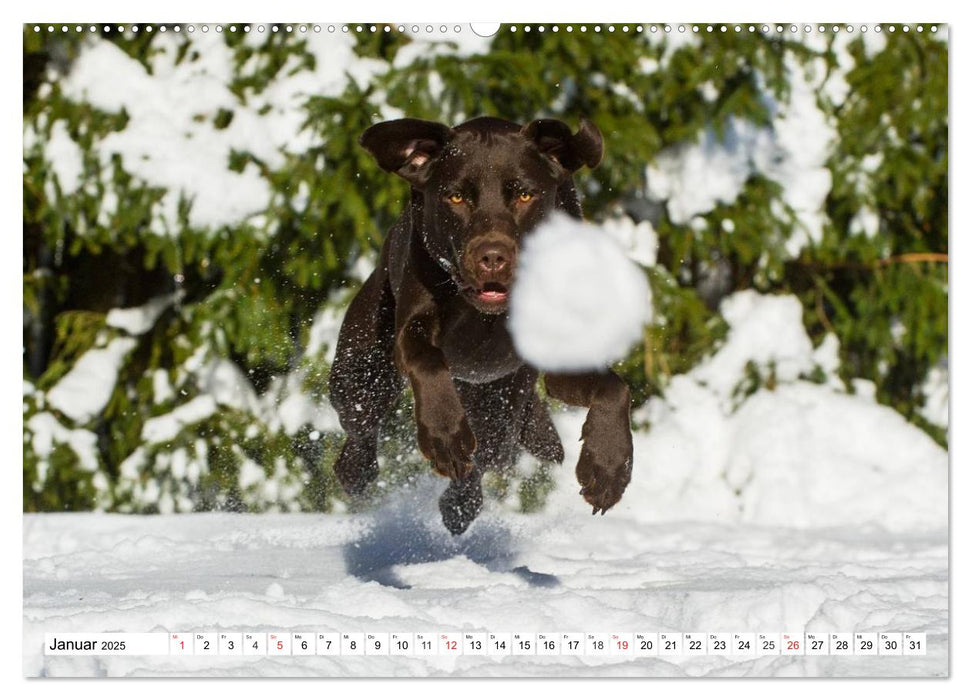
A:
492	296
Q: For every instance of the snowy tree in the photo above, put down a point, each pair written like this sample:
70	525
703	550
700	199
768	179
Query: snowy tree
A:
197	214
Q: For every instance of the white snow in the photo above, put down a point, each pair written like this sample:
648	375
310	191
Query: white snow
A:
225	383
425	46
804	137
866	222
161	387
873	43
765	330
171	141
679	37
693	178
800	509
579	302
864	388
140	319
803	454
936	390
130	466
836	88
296	408
250	474
827	358
65	157
85	390
397	570
47	431
639	240
166	427
326	327
163	143
363	266
803	457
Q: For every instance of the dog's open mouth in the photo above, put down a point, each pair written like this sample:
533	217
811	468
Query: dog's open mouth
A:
492	293
489	298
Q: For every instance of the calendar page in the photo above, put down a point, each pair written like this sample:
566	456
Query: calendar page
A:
438	349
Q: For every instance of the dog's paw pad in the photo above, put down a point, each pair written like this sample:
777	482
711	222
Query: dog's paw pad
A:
450	456
601	486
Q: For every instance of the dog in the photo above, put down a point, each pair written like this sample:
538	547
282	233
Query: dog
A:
434	311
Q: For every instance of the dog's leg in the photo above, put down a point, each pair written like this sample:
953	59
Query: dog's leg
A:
444	434
607	455
538	434
364	382
498	413
461	502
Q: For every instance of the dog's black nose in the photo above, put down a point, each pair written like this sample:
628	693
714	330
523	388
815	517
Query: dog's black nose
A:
492	258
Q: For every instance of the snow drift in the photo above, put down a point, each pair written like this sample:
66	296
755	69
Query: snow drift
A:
801	454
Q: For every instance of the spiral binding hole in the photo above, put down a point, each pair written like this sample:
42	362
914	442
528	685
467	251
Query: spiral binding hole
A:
766	29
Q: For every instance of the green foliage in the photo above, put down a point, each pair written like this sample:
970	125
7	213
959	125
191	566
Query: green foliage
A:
249	293
223	462
61	484
893	162
75	332
535	487
683	332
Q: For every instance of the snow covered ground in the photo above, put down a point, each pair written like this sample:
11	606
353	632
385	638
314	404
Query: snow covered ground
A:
798	508
398	570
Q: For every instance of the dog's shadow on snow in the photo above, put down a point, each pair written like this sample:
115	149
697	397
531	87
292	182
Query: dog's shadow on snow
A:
408	530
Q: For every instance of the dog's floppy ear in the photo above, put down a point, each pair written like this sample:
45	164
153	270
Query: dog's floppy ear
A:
553	138
406	147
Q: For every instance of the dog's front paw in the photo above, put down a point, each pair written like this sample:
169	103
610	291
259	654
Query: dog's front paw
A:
604	468
448	447
445	437
461	503
357	465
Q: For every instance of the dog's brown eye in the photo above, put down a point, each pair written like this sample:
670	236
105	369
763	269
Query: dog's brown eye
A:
525	196
456	198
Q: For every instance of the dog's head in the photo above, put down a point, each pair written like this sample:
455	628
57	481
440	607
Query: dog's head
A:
484	185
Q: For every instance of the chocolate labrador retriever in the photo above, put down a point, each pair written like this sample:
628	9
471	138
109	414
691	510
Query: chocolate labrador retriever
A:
434	312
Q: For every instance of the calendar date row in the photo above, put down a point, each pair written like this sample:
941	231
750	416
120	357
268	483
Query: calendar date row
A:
486	644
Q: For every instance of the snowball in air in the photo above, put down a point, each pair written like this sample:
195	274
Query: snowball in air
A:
579	303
